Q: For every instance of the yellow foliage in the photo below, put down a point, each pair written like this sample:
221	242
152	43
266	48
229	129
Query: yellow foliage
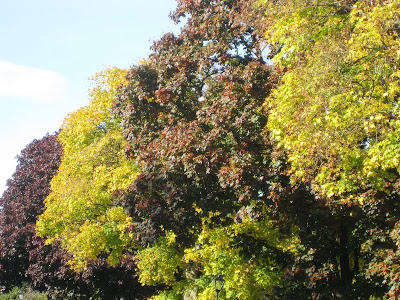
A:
225	250
335	110
79	211
159	263
246	277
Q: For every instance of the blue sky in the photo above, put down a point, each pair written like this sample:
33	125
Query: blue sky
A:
49	49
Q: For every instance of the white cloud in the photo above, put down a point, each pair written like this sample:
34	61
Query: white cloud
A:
30	83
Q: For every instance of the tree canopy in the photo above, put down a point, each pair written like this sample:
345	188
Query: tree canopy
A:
193	117
79	210
260	143
335	114
24	257
22	202
341	88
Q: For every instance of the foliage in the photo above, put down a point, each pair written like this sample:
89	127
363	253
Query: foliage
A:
249	255
27	292
210	158
193	116
340	87
21	203
25	257
79	210
49	271
349	105
194	121
159	263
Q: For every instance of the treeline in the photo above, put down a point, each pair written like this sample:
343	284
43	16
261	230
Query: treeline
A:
262	143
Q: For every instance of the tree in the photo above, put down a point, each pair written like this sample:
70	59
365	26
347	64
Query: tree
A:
193	116
207	157
79	209
86	230
349	104
21	203
250	255
341	88
24	257
49	271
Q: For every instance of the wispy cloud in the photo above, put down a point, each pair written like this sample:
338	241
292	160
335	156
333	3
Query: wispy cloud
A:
30	83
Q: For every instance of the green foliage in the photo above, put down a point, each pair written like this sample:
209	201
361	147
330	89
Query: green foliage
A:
335	114
249	255
27	292
79	209
340	89
284	178
159	263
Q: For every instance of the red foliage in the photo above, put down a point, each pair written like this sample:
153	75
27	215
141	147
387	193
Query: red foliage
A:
193	117
23	255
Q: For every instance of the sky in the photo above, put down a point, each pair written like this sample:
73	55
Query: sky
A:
50	48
